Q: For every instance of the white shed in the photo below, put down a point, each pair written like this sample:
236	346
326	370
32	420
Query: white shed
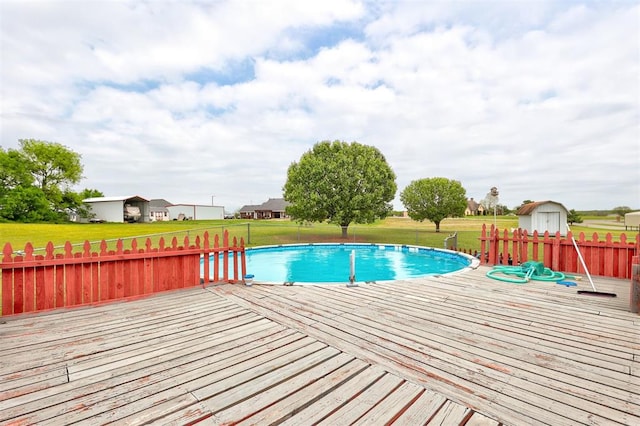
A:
543	216
195	212
111	209
632	220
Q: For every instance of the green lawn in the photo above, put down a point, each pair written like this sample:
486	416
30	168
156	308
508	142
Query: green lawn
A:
266	232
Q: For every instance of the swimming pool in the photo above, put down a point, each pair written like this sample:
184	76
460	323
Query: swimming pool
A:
331	263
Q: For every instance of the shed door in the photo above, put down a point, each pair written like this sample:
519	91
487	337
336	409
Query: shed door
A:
549	221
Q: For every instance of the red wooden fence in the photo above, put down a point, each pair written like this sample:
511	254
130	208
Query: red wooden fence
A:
602	257
33	283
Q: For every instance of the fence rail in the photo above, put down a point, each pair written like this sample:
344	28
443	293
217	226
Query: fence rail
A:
602	257
33	282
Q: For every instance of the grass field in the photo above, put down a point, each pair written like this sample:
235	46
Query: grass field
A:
255	233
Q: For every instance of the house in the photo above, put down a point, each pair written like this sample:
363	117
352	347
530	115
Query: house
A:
158	209
273	208
473	208
248	211
543	216
114	209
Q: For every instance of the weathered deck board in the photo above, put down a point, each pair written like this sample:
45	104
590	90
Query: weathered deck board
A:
331	403
293	395
615	399
491	370
385	411
445	329
145	392
421	410
441	380
445	317
356	408
456	349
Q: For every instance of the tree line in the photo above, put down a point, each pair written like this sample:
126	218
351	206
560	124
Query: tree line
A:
335	182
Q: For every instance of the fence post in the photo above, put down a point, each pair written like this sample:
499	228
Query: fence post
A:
493	245
7	281
225	259
555	255
206	275
634	299
547	249
243	260
235	262
216	258
504	255
483	244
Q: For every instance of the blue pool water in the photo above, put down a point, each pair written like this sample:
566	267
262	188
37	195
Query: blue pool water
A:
330	263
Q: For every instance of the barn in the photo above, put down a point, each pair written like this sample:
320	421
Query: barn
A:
111	209
543	216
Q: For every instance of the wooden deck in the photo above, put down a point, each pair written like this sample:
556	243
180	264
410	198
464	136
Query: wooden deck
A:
458	349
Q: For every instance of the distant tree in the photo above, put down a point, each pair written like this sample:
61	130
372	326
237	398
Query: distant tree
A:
26	204
72	203
90	193
53	165
35	181
340	182
620	211
17	200
503	209
13	170
78	206
573	217
434	199
527	202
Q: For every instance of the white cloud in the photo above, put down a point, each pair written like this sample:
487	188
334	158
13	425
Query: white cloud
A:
186	100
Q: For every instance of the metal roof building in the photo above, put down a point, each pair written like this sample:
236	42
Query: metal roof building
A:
111	209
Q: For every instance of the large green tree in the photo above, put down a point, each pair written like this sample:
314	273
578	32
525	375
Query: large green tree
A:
35	181
341	183
53	165
434	199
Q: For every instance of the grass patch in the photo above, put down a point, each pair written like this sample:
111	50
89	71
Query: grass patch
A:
39	234
268	232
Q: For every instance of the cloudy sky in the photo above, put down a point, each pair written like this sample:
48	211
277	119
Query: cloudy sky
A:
194	101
